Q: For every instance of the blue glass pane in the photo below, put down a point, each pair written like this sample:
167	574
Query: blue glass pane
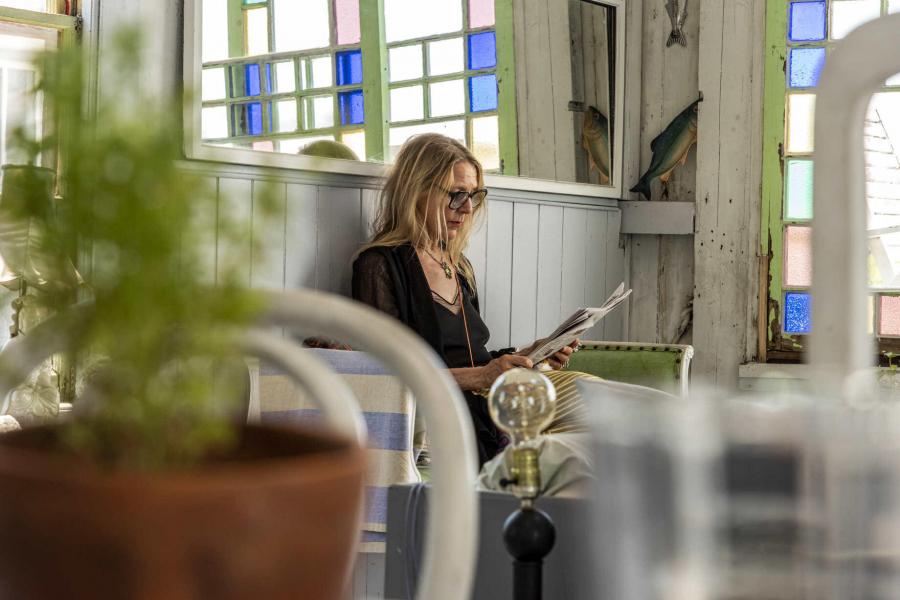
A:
254	118
805	66
796	312
483	93
268	78
251	80
348	67
255	1
806	22
350	105
482	50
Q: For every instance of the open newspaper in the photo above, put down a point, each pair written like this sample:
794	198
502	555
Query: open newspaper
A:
580	321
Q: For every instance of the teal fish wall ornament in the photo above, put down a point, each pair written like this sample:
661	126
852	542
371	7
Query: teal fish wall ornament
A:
670	149
595	141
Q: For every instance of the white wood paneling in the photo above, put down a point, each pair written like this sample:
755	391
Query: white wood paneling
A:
614	324
207	211
477	255
233	253
574	260
339	214
523	307
498	282
301	233
268	248
550	260
595	265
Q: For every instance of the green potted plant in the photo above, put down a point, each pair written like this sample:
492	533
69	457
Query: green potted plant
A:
153	488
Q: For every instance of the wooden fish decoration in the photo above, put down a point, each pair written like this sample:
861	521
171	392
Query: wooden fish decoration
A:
670	149
677	19
595	141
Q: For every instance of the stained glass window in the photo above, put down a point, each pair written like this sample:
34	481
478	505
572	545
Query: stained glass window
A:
807	21
301	74
799	190
889	316
797	312
805	65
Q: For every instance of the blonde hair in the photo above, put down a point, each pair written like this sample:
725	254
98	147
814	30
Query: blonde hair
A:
423	168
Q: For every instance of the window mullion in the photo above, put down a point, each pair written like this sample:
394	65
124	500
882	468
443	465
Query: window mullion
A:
506	87
375	78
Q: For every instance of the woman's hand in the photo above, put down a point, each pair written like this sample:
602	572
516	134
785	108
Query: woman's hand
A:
561	358
501	364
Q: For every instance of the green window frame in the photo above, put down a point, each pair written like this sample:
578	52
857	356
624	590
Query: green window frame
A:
776	218
375	84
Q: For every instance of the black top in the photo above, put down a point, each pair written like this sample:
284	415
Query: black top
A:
391	279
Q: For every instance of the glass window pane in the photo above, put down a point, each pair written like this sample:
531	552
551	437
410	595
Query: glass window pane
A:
485	141
407	103
301	25
35	5
798	256
214	122
398	135
356	141
893	6
445	56
408	19
214	30
481	13
482	50
894	80
797	312
351	107
294	145
447	98
801	114
346	13
889	313
212	85
321	72
847	15
285	116
483	93
405	63
285	80
349	67
251	80
257	31
319	111
805	66
799	190
248	118
806	21
247	2
264	146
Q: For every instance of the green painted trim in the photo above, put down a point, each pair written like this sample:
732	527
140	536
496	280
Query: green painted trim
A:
40	19
773	163
506	87
235	29
375	79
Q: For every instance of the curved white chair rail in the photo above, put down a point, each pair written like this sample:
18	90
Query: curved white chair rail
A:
451	536
855	69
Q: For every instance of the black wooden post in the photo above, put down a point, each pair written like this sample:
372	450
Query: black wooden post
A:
529	535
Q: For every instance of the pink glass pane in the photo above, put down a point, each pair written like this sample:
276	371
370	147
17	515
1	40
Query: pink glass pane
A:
889	323
798	256
264	146
481	13
346	13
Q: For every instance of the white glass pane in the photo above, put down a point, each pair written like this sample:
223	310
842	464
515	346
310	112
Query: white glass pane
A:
445	56
214	122
301	25
356	140
264	146
284	77
21	46
285	116
21	111
35	5
408	19
213	87
321	72
320	111
215	30
293	145
485	141
407	103
447	98
895	80
801	114
257	31
405	62
398	135
847	15
893	6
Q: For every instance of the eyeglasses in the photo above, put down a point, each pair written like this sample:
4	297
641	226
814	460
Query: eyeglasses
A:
457	199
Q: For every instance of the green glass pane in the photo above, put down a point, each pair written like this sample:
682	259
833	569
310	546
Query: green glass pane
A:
798	205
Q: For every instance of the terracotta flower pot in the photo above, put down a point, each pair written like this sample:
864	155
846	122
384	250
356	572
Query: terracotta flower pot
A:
277	518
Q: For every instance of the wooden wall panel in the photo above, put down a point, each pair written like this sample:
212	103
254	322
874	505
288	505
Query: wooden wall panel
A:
268	247
614	324
595	265
206	230
574	260
235	208
549	267
301	233
339	215
477	255
498	281
523	307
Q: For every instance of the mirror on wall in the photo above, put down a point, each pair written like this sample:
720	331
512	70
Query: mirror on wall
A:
354	79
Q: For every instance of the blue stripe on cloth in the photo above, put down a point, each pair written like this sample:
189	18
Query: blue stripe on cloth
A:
387	431
347	362
376	504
